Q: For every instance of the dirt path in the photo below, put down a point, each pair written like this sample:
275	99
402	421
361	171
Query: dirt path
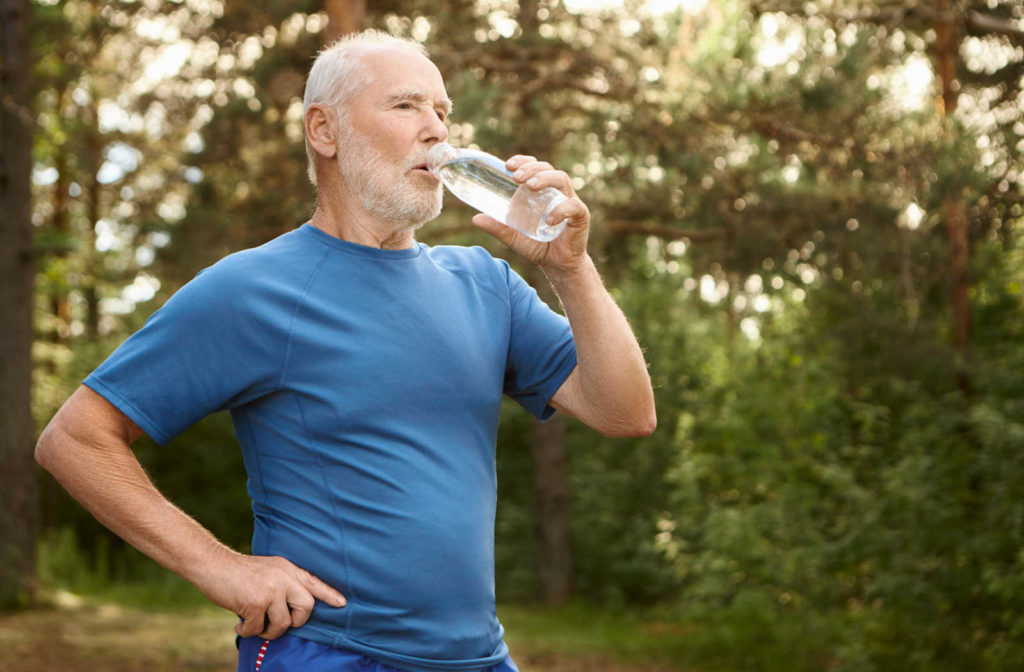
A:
107	638
113	639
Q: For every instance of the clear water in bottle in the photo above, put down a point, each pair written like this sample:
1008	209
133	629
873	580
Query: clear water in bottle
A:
481	181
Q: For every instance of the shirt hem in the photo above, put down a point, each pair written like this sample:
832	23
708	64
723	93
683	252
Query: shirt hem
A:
129	409
565	369
401	661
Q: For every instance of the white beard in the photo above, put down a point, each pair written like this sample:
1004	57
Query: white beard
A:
386	190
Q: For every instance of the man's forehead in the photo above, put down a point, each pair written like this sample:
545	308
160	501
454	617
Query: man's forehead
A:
400	73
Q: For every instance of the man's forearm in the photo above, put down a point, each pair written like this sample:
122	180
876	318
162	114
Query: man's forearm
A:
87	449
94	462
610	389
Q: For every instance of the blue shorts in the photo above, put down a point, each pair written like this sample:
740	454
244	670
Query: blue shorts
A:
294	654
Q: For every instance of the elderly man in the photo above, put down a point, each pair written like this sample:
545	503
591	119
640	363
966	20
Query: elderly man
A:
364	373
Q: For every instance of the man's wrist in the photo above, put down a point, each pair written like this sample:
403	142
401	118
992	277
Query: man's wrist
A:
570	275
206	561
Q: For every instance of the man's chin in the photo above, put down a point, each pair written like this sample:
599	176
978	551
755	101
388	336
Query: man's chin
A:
418	219
423	222
428	214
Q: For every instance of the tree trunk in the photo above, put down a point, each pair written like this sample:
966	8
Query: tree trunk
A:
93	160
551	493
552	513
18	497
343	17
954	210
59	304
551	510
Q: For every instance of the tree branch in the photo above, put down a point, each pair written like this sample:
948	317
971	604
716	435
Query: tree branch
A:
978	23
664	232
777	130
987	24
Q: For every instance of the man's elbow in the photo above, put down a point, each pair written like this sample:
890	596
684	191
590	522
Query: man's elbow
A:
636	426
45	449
52	447
649	425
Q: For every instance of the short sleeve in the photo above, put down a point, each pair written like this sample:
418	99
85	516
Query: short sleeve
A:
203	351
541	354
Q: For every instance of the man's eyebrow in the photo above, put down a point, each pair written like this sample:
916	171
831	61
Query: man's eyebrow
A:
418	96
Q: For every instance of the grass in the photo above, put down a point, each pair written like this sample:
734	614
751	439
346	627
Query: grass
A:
73	634
123	630
580	629
147	619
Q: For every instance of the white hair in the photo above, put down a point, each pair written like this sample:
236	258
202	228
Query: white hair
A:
338	74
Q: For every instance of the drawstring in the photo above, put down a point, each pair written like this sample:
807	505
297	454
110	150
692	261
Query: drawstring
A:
259	656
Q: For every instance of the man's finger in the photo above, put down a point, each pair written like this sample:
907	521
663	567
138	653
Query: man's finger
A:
529	171
492	226
514	162
300	614
301	603
555	179
251	624
321	590
279	620
573	210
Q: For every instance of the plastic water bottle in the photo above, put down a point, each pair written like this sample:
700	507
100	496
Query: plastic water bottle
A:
481	180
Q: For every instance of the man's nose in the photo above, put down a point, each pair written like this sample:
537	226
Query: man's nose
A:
434	129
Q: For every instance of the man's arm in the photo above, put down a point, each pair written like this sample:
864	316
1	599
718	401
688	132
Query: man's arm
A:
87	448
609	390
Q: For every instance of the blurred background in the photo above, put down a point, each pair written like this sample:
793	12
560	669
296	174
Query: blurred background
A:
810	211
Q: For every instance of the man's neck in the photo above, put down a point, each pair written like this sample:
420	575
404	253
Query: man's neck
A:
337	217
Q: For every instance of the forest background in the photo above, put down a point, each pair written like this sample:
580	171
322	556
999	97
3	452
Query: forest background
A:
810	211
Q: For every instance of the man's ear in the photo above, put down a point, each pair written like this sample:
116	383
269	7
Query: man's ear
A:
322	130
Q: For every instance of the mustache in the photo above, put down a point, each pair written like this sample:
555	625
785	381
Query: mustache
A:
359	142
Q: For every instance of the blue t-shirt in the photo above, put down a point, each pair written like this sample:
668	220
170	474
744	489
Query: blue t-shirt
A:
365	387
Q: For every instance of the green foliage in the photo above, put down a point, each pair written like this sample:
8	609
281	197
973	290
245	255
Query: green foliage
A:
514	562
629	636
202	472
770	211
100	570
875	517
